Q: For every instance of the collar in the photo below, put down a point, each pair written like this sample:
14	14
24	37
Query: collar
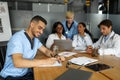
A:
70	25
31	41
110	34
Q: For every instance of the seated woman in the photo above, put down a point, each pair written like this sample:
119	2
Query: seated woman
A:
57	33
83	39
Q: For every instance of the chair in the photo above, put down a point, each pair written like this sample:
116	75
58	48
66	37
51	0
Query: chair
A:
2	56
1	78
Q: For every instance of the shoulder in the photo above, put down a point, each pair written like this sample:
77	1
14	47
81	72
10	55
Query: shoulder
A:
87	35
64	21
17	39
63	37
117	36
75	22
18	35
52	36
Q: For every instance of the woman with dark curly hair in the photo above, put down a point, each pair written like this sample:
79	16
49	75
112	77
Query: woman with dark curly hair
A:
83	39
57	33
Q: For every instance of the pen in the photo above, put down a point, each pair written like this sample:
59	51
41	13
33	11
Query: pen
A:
55	55
58	58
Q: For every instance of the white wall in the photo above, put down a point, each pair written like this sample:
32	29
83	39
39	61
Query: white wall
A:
49	7
5	33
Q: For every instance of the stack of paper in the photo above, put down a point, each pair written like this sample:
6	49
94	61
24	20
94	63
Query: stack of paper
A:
52	65
82	60
67	54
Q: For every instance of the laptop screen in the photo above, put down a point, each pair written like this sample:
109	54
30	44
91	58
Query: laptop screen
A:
64	44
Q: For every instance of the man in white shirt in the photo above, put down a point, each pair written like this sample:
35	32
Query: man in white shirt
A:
109	42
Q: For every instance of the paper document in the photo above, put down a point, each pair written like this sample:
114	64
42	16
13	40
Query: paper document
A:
82	60
66	54
55	64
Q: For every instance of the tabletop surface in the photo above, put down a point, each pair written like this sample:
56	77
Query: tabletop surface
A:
51	73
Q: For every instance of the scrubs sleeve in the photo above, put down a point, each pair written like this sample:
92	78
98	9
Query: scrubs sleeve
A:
15	46
39	44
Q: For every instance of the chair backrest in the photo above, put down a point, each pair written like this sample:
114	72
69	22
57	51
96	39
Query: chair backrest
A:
2	56
1	78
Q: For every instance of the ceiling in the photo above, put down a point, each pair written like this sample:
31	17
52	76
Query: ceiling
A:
41	1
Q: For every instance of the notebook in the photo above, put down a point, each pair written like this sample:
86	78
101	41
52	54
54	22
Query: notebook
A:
64	44
75	74
82	60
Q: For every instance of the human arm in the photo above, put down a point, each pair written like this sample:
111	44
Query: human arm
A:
50	41
113	47
89	49
46	51
21	62
98	43
49	53
88	40
74	42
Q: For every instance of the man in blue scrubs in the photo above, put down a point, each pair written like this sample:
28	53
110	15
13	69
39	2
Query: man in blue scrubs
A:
21	50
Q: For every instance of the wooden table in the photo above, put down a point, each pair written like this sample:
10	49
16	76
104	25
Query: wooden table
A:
51	73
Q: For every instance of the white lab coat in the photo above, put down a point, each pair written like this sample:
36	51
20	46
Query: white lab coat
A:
109	47
81	43
51	39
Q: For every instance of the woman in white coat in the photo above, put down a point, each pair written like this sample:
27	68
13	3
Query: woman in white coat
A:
57	33
109	42
83	39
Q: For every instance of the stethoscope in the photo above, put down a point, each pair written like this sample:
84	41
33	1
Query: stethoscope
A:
82	38
111	38
69	31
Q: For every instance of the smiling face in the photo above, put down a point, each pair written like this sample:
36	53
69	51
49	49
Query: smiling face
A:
59	29
81	28
69	17
69	20
37	28
105	30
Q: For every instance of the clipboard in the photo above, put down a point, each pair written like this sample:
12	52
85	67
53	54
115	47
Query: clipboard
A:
75	74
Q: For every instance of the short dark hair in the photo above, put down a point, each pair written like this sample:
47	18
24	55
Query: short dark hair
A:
39	18
55	25
105	22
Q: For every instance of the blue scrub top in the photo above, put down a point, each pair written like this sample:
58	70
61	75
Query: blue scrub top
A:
73	30
19	43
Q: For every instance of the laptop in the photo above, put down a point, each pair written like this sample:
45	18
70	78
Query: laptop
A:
64	44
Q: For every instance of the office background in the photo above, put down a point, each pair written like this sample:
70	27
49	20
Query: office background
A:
21	11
